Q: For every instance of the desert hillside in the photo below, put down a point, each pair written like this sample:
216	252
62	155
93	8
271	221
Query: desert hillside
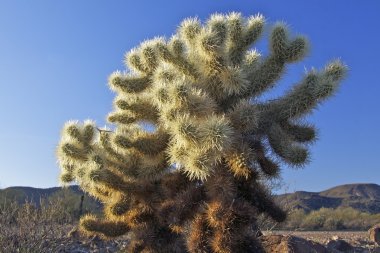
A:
72	194
363	197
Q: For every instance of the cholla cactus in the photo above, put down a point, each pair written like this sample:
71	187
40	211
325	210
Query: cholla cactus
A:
195	183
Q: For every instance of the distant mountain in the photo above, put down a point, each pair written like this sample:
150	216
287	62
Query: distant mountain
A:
363	197
22	194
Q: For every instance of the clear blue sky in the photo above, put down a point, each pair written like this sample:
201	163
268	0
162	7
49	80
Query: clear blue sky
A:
55	57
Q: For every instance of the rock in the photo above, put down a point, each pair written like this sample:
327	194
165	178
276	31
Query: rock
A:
374	234
339	245
290	244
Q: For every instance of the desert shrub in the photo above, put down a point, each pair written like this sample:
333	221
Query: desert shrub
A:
334	223
330	219
355	219
295	219
315	219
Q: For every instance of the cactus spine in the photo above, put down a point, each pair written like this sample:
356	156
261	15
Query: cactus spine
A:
195	184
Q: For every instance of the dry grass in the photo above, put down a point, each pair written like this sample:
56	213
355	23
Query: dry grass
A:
26	228
47	228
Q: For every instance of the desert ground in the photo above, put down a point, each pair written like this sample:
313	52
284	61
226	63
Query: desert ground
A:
358	239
